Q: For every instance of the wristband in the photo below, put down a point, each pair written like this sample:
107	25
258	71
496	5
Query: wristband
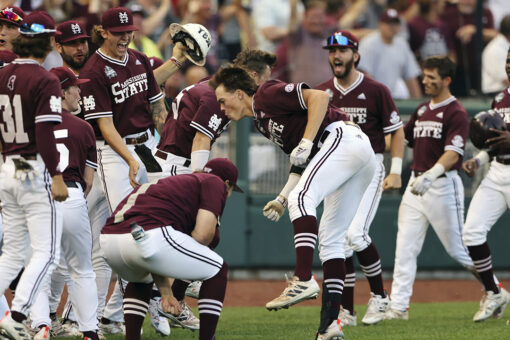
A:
481	158
199	159
396	166
177	63
282	200
436	171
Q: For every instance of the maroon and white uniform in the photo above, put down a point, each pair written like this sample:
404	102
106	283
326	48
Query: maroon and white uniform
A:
492	198
77	147
370	105
195	109
30	106
429	39
124	91
432	130
339	170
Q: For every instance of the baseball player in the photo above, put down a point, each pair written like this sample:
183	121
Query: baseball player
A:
332	161
31	184
437	132
10	21
180	224
77	147
369	104
489	202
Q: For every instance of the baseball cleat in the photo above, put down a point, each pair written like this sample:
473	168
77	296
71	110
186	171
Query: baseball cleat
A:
12	329
185	319
112	327
295	292
43	333
377	307
393	314
491	304
193	289
333	332
159	323
346	318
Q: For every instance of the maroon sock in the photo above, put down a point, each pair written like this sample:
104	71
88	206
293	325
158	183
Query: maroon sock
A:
91	335
17	316
210	302
179	289
334	276
370	263
350	280
305	237
481	256
136	304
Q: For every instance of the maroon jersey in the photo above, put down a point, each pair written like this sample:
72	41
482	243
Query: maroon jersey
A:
194	109
434	129
28	95
77	146
172	201
120	89
429	39
281	114
501	104
369	104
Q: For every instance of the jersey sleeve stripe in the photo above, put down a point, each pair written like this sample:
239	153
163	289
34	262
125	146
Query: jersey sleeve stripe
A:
156	98
202	129
97	115
91	164
392	128
300	96
460	151
48	118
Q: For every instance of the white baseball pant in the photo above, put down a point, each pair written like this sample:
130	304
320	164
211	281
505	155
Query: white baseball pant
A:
29	215
77	259
357	234
443	207
172	165
490	201
338	174
176	255
3	301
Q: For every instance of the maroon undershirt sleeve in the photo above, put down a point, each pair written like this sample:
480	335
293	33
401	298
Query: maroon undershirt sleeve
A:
46	145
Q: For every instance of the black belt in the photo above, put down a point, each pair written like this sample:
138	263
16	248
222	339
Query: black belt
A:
71	184
502	160
419	173
164	156
135	140
30	157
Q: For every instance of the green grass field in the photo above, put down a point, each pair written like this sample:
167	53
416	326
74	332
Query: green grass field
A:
441	321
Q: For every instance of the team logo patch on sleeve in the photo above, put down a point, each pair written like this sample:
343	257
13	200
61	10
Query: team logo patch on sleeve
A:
422	110
56	104
110	72
289	88
458	141
214	122
330	94
499	97
394	117
89	103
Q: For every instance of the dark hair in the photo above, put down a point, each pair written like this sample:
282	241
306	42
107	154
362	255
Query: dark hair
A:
234	78
444	65
95	35
504	26
255	60
312	4
38	47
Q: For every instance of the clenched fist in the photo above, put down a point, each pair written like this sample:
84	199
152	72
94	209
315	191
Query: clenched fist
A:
274	209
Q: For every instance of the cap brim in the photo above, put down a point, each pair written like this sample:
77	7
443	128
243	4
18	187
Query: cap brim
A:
10	22
73	38
130	28
238	189
336	45
82	81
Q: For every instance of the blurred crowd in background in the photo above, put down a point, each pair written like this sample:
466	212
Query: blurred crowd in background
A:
395	36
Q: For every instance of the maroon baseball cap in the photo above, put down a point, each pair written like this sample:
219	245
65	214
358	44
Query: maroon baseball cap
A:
341	38
118	19
69	31
224	169
67	77
12	15
37	24
390	15
155	62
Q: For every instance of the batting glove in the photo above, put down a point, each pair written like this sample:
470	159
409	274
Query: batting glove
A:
301	152
421	184
274	209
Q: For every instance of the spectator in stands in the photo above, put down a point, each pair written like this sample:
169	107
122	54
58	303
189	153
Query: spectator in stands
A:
499	9
460	18
303	45
140	41
494	78
389	59
428	34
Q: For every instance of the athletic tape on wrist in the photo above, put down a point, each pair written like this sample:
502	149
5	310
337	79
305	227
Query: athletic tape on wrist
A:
396	166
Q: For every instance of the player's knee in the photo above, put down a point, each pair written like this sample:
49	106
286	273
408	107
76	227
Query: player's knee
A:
223	273
300	205
357	241
472	237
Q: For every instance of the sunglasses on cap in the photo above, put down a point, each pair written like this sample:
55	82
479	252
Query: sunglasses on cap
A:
11	16
340	40
35	29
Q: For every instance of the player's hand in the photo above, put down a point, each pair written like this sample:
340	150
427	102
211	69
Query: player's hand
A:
465	33
421	184
301	152
502	140
178	51
274	209
392	181
133	171
59	189
470	167
169	304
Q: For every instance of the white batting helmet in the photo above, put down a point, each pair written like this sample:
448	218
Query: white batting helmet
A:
195	37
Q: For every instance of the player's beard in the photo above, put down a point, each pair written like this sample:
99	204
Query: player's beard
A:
348	67
76	65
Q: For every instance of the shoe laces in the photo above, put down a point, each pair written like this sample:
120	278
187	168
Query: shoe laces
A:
186	313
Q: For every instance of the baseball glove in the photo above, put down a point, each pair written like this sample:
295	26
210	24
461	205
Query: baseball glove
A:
187	40
145	154
479	128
